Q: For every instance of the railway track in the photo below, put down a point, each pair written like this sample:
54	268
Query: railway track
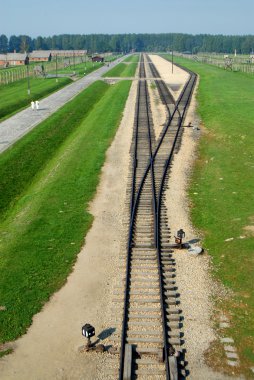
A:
142	71
150	336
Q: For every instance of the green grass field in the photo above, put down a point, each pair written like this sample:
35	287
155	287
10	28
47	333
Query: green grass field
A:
133	58
14	97
222	193
122	70
48	66
22	67
80	69
85	68
56	169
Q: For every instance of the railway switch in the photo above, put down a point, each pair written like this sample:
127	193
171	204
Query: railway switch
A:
88	331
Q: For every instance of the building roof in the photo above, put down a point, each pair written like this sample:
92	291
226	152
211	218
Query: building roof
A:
3	57
16	56
68	52
40	54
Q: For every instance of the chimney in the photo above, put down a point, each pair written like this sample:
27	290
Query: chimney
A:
14	51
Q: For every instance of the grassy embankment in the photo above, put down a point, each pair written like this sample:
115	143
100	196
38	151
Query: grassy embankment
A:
122	70
133	58
13	96
222	193
47	180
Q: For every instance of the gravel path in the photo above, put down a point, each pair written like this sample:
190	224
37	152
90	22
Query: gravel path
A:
175	80
21	123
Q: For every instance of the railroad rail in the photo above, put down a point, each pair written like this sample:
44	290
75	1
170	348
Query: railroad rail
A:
150	329
142	71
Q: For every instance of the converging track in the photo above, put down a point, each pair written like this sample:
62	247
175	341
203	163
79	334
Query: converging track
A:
150	330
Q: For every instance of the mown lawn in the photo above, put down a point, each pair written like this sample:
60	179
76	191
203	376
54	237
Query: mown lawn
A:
14	97
44	226
133	58
122	70
222	193
80	69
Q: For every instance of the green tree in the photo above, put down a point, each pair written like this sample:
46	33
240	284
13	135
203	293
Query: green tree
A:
26	44
14	43
3	43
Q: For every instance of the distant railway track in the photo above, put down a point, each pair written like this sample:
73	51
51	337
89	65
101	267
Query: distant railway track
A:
150	329
142	71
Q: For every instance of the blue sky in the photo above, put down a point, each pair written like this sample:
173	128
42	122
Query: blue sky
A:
48	17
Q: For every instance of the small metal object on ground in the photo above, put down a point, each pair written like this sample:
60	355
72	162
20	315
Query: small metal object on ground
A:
179	238
88	331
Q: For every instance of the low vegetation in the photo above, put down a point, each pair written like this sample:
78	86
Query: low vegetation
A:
20	163
134	58
14	97
222	194
122	70
79	69
56	168
83	68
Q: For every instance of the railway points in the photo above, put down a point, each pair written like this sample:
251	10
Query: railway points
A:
148	257
147	338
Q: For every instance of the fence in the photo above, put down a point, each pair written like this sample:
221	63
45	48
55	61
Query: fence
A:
17	73
243	64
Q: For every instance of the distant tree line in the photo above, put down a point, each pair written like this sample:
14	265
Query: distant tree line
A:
126	42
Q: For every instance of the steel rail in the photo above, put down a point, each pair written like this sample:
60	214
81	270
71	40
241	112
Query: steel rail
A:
158	215
151	163
127	279
158	224
135	206
157	209
135	153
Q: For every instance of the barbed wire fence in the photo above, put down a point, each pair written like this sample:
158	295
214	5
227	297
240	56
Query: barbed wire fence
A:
242	64
14	74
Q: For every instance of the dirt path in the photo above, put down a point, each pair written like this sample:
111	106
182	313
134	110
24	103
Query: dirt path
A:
50	348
